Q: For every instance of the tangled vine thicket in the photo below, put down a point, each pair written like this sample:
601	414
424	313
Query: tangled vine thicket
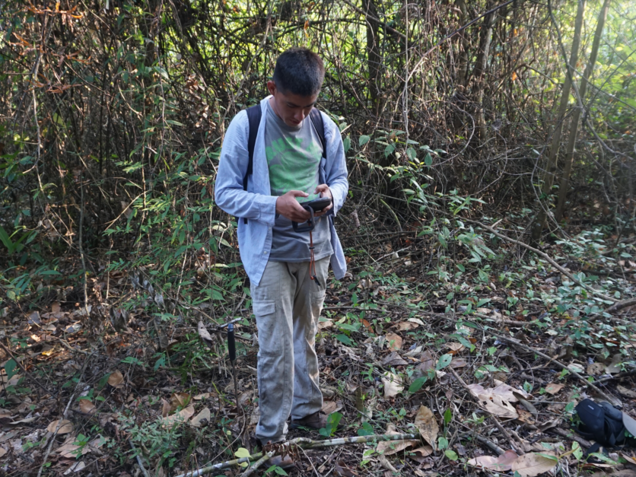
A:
113	111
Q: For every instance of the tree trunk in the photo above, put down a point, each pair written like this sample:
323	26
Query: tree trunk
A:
480	70
374	59
569	157
551	163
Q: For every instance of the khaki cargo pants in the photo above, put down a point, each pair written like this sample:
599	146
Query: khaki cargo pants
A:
287	305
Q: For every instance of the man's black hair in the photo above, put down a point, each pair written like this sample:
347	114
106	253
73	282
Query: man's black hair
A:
299	71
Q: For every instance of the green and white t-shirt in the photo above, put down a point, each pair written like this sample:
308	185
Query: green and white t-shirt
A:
293	158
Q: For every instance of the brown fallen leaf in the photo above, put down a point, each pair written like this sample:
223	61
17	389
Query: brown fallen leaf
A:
165	408
86	406
423	451
394	341
76	467
630	423
428	362
498	403
394	359
626	392
387	447
406	326
458	363
201	419
65	426
427	425
455	347
553	388
324	323
179	400
530	465
386	464
525	416
3	451
503	463
629	458
393	447
392	384
329	407
614	366
203	333
341	470
182	415
595	369
116	379
69	450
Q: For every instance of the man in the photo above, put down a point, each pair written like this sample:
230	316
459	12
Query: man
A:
290	166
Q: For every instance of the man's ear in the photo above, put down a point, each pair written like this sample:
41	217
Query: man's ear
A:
271	87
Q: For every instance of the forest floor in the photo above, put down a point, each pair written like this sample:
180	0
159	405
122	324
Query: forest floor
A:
482	364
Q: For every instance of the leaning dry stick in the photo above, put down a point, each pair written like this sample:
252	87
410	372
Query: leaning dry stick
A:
620	305
607	397
26	374
549	259
303	443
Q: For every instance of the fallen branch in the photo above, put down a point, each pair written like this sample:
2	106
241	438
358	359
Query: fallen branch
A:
549	259
514	342
302	443
24	371
620	305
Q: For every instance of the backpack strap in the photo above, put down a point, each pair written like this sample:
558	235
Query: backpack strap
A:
254	118
318	122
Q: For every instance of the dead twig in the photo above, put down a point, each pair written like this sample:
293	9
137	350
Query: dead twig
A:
57	428
302	443
26	374
620	305
139	461
548	258
514	342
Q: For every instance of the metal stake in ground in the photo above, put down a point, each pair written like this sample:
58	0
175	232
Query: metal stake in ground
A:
231	346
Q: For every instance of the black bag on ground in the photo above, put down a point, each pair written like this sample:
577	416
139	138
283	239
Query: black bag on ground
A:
600	422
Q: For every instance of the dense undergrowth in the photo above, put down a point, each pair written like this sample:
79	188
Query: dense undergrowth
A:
112	250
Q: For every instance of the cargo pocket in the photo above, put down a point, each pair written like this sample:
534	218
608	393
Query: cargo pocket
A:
264	308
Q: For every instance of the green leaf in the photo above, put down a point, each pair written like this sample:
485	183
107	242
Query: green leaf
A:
417	384
448	416
366	430
428	160
444	361
442	443
577	451
10	367
344	339
347	144
240	453
363	140
452	455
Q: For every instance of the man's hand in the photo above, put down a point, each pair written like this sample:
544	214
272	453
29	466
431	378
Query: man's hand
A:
288	206
323	190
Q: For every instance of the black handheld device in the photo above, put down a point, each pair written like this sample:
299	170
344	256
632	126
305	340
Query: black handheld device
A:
313	206
318	204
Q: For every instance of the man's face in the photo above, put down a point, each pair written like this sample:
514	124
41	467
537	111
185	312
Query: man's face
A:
290	107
